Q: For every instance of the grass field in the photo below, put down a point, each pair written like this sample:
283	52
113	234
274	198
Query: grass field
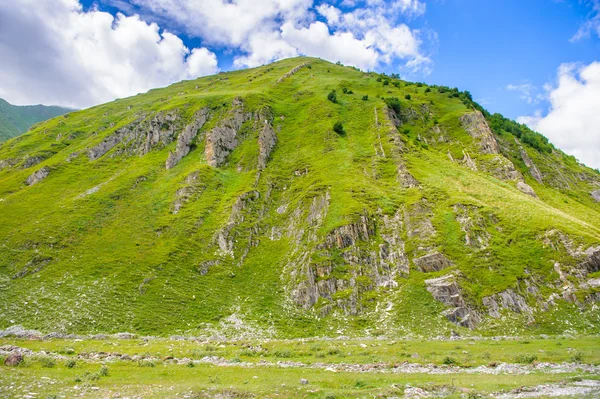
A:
315	368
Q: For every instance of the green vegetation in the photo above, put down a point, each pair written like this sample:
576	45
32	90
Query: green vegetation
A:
15	120
320	240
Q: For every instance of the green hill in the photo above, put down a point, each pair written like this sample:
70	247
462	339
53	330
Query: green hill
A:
15	120
237	205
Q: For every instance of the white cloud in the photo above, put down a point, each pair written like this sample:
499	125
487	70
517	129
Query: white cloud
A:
573	120
592	24
528	92
55	53
365	37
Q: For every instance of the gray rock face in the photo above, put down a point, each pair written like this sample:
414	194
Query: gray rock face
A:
507	299
32	161
349	235
184	140
432	262
225	237
533	170
38	176
592	263
473	223
140	136
446	290
392	121
526	189
595	195
222	140
267	138
183	195
476	125
293	71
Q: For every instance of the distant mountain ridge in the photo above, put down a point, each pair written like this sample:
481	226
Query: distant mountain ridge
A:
17	119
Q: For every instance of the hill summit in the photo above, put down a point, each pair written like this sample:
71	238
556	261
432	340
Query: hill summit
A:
300	198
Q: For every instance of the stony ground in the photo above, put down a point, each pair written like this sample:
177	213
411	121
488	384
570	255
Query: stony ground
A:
316	368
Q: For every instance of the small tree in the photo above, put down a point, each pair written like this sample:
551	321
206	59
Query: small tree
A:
339	128
365	97
428	90
407	96
386	82
332	96
394	104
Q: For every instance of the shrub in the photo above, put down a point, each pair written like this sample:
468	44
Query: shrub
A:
103	371
47	362
339	128
379	78
365	97
394	104
527	359
448	360
386	82
332	96
428	90
407	96
396	84
70	363
350	92
344	90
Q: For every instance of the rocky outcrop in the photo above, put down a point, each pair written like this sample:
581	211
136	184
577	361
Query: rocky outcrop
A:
507	299
446	290
184	194
223	139
526	189
533	169
596	195
38	176
293	71
185	138
476	125
140	136
267	138
392	121
432	262
349	235
32	161
473	223
592	262
225	236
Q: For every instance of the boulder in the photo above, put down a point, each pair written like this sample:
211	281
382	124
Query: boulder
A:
446	290
526	189
533	169
38	176
596	195
14	359
432	262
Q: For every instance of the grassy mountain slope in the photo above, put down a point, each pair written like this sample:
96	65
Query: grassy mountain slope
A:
15	120
228	205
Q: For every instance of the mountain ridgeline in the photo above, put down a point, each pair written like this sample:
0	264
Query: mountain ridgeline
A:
300	198
15	119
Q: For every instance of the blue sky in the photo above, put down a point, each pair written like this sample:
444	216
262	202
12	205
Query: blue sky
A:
537	61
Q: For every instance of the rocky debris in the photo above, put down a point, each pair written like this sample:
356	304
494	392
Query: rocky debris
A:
8	163
476	125
592	263
72	156
526	189
507	299
183	195
33	266
558	241
432	262
446	290
303	381
533	169
140	136
392	255
417	219
185	138
349	235
467	160
225	236
579	389
405	178
20	332
595	194
32	161
503	169
14	359
293	71
267	137
38	176
223	139
473	224
594	282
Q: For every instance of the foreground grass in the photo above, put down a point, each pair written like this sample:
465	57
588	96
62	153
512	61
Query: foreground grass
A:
64	368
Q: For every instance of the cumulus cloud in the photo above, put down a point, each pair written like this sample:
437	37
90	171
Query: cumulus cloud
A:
365	37
55	53
573	121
